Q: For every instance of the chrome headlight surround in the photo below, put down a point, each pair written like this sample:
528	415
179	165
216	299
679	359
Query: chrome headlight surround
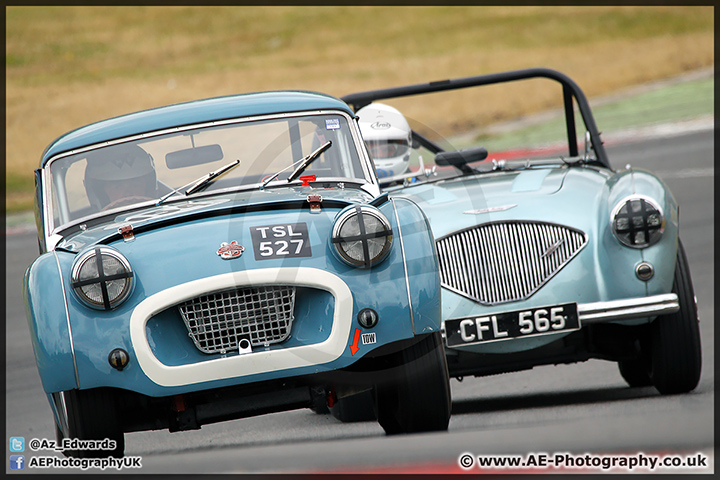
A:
102	278
637	221
362	236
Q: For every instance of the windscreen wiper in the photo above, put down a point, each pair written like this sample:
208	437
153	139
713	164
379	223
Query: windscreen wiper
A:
303	164
200	183
308	160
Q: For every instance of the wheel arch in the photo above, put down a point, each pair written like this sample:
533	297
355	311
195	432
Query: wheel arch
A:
421	266
663	254
48	321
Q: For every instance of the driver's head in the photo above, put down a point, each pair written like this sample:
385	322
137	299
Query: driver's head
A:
388	138
118	172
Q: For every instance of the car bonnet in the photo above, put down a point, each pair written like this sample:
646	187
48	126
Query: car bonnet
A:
556	195
221	206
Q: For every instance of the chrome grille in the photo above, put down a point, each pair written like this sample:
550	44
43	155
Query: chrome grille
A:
505	261
218	321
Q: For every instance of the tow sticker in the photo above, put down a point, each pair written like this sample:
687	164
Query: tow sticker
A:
368	338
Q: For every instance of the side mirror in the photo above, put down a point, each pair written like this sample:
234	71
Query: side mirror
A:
460	158
194	156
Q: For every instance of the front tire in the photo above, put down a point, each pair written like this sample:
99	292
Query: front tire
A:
354	408
675	339
635	372
92	415
417	397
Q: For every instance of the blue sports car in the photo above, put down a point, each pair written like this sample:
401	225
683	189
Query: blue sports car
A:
224	258
546	256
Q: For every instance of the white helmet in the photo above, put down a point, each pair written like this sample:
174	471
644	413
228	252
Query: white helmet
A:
388	138
119	163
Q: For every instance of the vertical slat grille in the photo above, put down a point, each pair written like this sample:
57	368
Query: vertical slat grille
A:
506	261
218	321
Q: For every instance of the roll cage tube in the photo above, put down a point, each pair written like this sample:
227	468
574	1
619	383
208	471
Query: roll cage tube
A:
570	90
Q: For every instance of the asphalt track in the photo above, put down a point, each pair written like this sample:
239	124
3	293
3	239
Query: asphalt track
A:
575	409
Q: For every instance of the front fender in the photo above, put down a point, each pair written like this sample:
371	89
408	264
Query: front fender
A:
46	311
421	266
662	255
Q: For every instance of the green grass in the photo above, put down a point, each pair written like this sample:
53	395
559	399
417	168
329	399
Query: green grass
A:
677	102
17	183
58	45
673	103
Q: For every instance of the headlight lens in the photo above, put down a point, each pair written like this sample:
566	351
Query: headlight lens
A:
362	236
102	278
638	221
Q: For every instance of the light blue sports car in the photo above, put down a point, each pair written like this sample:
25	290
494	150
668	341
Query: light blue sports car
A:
224	258
547	256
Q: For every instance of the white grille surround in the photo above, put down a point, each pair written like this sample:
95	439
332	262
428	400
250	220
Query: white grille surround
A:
216	322
261	361
505	261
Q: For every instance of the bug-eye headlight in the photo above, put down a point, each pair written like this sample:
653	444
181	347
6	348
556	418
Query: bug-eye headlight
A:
102	278
362	236
637	221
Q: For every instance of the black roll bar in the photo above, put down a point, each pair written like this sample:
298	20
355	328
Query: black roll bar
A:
570	90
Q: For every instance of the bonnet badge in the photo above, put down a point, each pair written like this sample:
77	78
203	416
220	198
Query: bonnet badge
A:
490	209
230	250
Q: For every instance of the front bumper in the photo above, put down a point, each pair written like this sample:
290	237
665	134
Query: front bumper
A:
628	311
628	308
624	309
609	331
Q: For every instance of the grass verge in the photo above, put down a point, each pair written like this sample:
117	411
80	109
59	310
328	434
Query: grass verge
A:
70	66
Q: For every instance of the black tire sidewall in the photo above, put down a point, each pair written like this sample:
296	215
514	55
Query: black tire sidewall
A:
92	415
419	398
676	357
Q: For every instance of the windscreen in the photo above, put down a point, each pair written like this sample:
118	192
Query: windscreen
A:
129	173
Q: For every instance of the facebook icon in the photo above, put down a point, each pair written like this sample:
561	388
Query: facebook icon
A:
17	462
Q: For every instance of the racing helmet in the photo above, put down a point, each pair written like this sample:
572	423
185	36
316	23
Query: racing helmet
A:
388	138
115	165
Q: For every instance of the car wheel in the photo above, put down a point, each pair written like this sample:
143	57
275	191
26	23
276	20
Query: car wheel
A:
675	338
354	408
320	410
92	415
635	372
417	399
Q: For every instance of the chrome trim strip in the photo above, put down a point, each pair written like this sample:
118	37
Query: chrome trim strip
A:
599	312
67	316
64	416
407	276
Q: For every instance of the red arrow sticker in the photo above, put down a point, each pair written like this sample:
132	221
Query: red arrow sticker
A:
354	347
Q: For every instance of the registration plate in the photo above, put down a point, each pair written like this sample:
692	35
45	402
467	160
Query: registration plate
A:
281	241
506	325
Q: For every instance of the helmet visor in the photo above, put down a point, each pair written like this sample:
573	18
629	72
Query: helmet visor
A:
380	149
